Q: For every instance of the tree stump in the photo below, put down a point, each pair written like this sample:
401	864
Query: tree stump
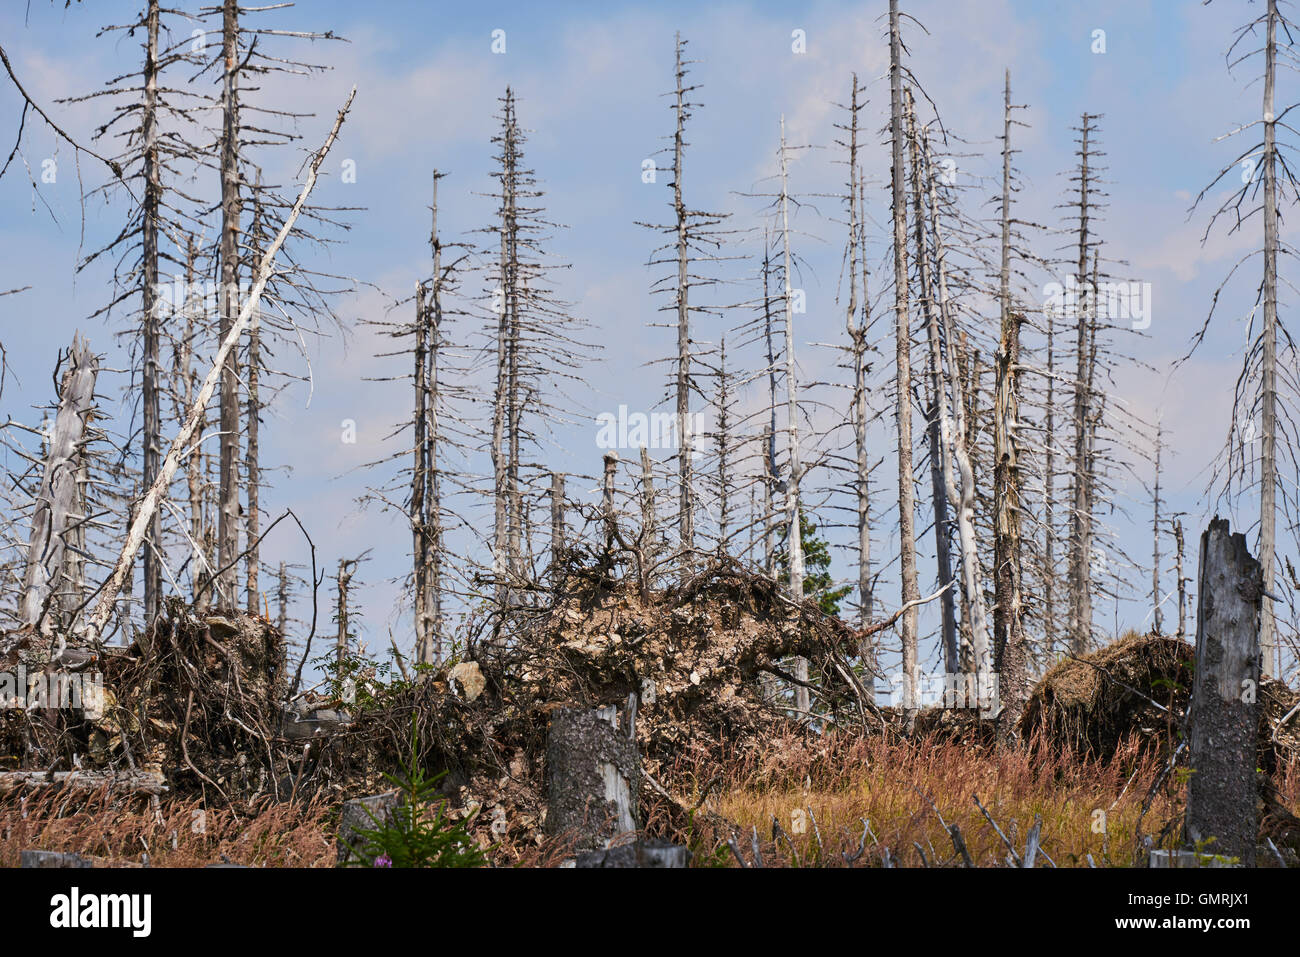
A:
592	775
1221	795
355	818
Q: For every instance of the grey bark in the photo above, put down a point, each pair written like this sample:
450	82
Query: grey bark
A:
1222	792
592	776
57	502
903	373
231	207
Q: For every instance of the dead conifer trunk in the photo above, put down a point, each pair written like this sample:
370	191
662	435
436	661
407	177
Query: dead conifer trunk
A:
1222	792
1182	581
557	519
1010	647
686	507
252	468
344	581
937	414
152	435
903	372
1080	568
228	489
1268	475
58	499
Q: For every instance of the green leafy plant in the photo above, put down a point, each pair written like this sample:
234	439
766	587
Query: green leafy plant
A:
418	832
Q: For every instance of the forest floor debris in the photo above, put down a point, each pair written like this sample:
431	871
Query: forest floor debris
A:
200	702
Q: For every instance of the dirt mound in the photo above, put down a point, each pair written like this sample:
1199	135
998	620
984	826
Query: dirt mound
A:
1139	685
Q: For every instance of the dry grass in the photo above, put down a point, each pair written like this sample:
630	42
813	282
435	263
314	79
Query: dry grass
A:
902	788
181	834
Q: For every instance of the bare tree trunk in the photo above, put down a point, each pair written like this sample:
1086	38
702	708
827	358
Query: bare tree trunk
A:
1010	647
344	580
557	519
152	435
1158	618
419	470
608	506
1182	581
939	464
1222	752
686	513
1268	439
1049	493
502	417
228	494
187	384
252	470
649	514
724	448
961	486
769	459
866	586
57	501
282	599
1080	514
794	539
903	373
155	493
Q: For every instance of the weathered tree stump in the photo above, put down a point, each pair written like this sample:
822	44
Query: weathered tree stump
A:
592	775
355	819
1221	795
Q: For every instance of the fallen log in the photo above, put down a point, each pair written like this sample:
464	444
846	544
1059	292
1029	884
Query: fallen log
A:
136	782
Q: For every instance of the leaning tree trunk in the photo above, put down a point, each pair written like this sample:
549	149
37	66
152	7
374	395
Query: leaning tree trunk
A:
58	499
1222	792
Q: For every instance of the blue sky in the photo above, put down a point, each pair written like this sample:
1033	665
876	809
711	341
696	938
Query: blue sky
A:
589	80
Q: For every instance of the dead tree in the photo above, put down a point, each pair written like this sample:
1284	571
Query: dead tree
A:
938	430
343	580
1158	618
537	346
693	237
1182	581
903	371
1009	642
857	320
157	121
58	502
794	473
958	435
1081	492
1264	163
1222	794
228	297
157	492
